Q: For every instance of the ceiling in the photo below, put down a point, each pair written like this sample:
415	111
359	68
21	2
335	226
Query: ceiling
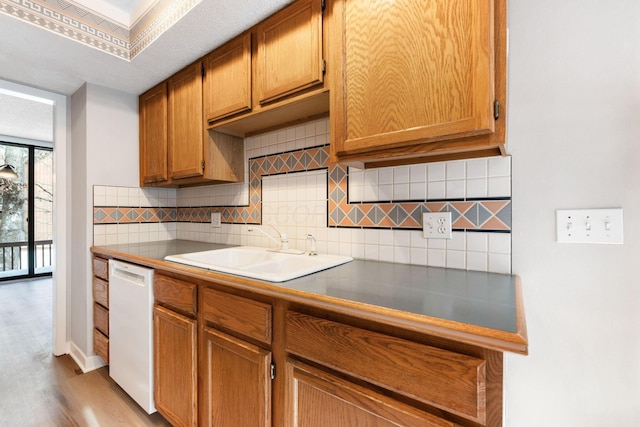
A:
37	51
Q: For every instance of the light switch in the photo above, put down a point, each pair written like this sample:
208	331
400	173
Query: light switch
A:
601	226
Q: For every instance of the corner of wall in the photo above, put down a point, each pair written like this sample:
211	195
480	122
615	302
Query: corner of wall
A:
86	363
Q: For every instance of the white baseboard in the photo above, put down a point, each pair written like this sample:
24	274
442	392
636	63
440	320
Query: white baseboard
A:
86	363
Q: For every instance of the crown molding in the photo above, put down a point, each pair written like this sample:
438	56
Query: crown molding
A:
75	22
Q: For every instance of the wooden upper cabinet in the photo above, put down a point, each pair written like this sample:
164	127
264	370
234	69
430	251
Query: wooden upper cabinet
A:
153	135
289	53
186	136
227	79
415	73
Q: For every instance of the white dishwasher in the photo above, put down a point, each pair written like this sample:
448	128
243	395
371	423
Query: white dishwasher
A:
131	331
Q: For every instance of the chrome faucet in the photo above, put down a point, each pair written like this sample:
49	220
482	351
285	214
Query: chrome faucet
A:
283	241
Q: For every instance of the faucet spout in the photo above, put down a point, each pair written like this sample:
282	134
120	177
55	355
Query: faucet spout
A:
251	229
283	241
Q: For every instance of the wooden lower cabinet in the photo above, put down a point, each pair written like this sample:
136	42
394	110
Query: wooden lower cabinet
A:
235	358
175	367
236	379
318	399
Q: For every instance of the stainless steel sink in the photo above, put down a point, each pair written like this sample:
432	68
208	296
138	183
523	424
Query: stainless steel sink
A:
259	263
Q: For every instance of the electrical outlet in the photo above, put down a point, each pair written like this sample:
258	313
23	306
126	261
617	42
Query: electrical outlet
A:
215	220
603	226
436	225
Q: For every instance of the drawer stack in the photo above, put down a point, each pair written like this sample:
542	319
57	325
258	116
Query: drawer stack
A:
101	307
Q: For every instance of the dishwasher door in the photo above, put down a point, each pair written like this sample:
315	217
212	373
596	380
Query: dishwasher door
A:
131	331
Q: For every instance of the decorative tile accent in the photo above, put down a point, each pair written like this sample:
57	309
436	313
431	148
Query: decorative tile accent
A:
128	215
75	22
477	215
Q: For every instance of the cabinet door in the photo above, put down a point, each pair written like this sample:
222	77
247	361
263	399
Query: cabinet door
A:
175	367
153	135
317	399
237	382
227	79
289	56
186	134
412	72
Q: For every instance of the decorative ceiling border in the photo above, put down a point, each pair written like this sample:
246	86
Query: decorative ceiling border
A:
83	25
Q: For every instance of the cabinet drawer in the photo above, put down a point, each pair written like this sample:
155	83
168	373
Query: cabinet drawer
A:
244	316
101	292
176	293
101	318
319	398
101	345
101	268
447	380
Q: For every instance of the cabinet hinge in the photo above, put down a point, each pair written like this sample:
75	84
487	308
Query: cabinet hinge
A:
273	370
496	110
202	164
323	4
324	66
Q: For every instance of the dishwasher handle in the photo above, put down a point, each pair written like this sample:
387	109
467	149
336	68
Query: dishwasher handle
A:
128	272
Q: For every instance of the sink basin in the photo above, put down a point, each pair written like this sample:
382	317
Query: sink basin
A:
259	263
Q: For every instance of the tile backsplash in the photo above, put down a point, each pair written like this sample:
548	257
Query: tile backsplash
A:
368	214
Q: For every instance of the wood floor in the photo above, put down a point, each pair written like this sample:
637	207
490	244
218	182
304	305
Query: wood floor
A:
39	389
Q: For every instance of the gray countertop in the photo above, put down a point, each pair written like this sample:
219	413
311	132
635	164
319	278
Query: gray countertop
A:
479	299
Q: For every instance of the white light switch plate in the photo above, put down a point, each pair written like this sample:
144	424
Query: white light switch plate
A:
215	220
436	225
602	226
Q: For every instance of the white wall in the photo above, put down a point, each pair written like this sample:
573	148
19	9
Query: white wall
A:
105	151
113	134
574	134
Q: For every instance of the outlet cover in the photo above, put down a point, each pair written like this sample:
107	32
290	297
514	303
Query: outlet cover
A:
215	220
437	225
600	226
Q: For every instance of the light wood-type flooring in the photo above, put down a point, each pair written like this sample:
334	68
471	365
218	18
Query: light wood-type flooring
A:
39	389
